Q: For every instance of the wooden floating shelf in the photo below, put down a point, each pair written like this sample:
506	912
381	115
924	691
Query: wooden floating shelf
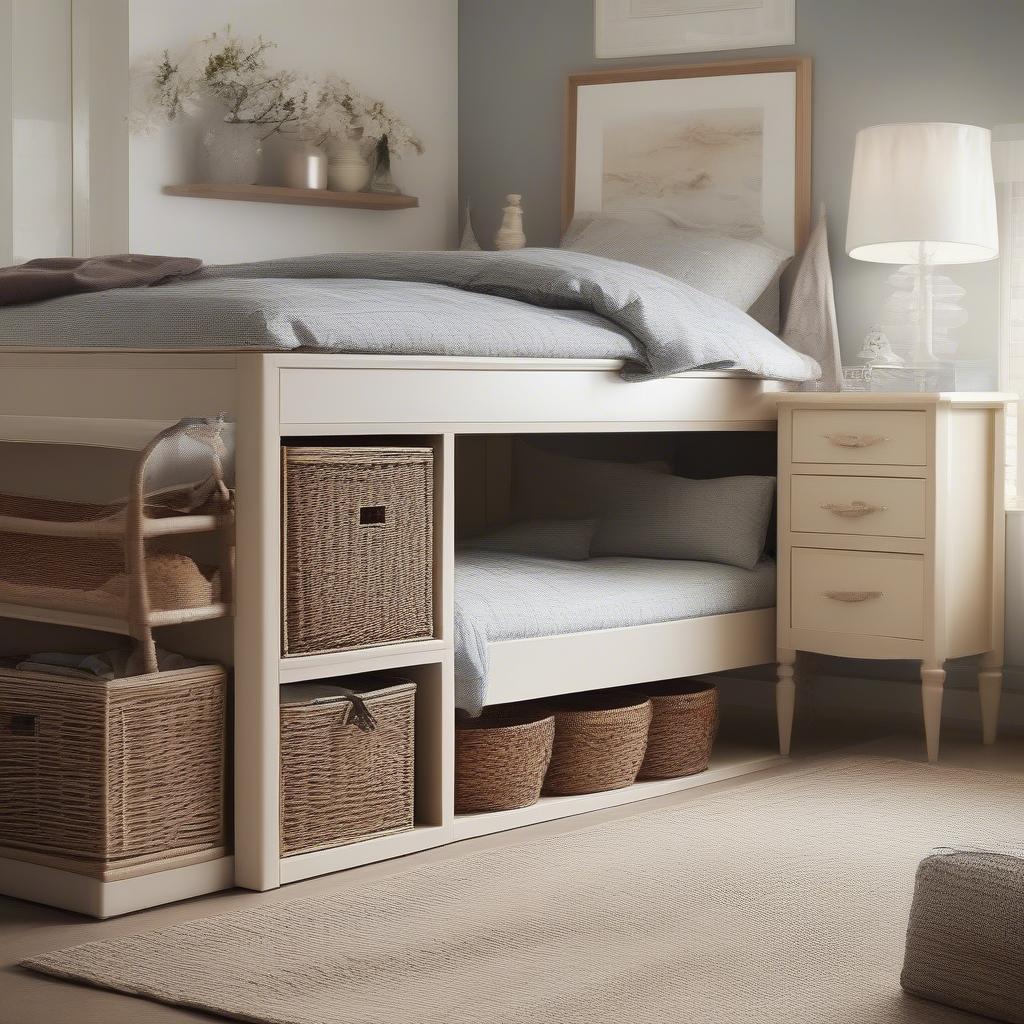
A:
294	196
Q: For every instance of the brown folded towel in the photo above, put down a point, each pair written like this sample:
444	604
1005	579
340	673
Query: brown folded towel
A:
65	275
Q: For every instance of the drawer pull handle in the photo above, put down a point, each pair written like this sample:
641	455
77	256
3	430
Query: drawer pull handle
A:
855	510
853	596
856	440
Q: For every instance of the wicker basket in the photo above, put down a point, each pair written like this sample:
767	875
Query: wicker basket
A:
683	729
111	770
600	739
501	758
347	761
357	549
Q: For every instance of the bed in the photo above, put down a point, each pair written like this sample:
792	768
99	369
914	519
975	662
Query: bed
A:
439	347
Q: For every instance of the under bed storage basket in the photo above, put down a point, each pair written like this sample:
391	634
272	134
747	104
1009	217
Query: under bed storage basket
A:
120	770
358	525
683	728
133	532
347	761
501	758
600	739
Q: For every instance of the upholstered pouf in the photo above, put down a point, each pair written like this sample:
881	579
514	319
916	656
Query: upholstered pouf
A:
965	942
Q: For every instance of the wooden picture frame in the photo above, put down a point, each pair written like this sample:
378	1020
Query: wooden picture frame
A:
798	67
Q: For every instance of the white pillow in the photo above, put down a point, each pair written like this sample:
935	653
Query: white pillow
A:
734	269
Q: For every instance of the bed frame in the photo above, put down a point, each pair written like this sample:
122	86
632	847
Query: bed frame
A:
274	396
277	396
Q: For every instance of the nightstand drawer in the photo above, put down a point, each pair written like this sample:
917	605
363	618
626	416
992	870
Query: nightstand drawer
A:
859	437
865	593
870	506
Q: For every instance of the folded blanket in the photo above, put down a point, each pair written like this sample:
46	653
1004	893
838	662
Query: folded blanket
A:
49	278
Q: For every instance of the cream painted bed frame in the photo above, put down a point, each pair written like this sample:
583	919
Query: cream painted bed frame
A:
275	396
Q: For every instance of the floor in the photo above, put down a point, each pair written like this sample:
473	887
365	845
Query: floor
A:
27	928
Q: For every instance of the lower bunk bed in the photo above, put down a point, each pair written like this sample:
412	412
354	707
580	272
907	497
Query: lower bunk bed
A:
529	628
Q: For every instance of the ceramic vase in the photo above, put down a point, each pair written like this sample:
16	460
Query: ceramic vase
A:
305	166
348	170
233	152
510	235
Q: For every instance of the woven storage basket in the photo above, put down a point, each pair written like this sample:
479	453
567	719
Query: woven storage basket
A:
357	547
600	739
342	781
501	758
683	728
111	770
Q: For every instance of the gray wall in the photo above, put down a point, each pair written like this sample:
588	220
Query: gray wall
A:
874	61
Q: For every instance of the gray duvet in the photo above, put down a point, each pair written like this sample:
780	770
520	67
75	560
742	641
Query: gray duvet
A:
501	596
534	302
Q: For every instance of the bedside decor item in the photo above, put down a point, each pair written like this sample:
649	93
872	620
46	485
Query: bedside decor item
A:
633	28
510	234
720	147
922	196
877	350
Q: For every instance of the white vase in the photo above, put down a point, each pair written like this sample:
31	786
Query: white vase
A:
305	166
233	153
348	170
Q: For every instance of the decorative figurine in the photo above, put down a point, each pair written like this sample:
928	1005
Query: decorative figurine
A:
877	351
510	234
469	242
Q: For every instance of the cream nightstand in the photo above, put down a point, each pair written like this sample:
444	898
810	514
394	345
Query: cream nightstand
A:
891	538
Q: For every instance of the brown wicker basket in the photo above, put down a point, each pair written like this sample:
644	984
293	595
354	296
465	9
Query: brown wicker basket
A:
108	770
501	758
357	547
347	761
600	740
683	728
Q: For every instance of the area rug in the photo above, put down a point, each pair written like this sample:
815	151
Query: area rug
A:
783	901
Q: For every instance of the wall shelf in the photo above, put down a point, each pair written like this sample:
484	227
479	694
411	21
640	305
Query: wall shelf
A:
294	196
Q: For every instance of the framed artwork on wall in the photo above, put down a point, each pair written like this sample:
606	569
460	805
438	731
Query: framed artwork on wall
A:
725	147
634	28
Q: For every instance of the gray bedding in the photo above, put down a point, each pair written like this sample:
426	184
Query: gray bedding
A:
501	596
534	302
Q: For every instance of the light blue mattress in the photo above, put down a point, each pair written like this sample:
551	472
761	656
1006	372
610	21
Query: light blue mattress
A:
500	596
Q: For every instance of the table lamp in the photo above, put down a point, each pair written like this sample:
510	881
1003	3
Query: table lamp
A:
923	195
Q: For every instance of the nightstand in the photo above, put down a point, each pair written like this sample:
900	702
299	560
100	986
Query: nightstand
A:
891	531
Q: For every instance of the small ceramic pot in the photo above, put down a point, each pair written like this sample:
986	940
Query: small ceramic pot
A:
348	170
305	166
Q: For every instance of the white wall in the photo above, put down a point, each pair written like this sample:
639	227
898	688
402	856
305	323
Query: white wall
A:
403	51
35	110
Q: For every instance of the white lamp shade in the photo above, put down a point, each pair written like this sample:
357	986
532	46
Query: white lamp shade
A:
923	184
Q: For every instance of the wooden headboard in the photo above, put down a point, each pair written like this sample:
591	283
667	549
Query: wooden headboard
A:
704	142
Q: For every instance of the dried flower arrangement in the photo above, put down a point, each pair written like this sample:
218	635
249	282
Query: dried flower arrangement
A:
233	73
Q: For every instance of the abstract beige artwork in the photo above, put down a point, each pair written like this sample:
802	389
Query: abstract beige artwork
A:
699	167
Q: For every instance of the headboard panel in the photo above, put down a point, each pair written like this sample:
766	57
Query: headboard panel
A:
726	146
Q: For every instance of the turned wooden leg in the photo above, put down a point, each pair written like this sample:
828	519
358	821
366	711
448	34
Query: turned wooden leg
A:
785	698
990	689
933	678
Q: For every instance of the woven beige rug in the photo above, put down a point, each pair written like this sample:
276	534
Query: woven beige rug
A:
784	901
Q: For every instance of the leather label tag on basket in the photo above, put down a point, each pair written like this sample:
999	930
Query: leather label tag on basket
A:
372	515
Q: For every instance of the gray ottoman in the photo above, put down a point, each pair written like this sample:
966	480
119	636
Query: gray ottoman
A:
965	941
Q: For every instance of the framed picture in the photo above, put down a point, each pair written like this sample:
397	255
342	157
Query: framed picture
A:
632	28
725	147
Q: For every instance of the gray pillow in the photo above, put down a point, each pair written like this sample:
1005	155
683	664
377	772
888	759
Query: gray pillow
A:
724	519
549	538
737	270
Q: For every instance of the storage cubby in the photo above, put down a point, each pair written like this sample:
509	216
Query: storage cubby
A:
431	769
